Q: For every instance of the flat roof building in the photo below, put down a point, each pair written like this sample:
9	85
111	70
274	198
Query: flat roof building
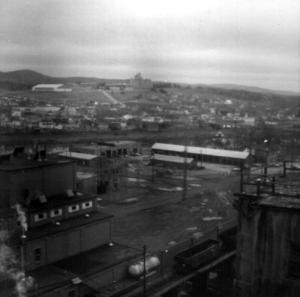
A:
50	88
204	154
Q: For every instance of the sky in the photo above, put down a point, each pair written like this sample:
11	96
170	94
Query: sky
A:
247	42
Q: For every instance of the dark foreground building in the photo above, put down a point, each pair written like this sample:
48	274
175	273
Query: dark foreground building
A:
54	242
268	249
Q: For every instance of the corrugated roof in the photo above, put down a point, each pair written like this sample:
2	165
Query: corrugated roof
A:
48	86
201	151
172	159
78	156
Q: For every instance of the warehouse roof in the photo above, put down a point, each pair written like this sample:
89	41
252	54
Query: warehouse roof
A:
78	156
48	86
172	159
201	150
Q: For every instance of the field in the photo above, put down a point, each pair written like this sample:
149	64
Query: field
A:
154	212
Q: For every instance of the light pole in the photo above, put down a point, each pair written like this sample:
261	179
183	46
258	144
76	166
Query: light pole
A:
267	144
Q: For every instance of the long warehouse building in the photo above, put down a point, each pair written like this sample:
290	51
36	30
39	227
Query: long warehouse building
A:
203	154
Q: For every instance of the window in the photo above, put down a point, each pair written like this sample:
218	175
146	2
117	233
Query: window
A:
87	204
73	208
37	255
294	260
40	216
55	213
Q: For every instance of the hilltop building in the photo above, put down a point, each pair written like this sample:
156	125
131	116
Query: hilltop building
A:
50	88
139	83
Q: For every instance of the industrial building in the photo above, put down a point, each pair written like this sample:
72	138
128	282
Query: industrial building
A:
139	83
203	154
88	169
268	242
110	149
51	227
64	242
50	88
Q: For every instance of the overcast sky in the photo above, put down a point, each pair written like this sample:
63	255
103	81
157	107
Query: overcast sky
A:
249	42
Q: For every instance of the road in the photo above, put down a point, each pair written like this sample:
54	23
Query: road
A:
109	97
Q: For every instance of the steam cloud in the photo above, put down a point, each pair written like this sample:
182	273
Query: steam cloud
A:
9	267
22	217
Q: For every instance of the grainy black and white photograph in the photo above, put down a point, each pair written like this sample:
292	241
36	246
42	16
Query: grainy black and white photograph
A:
149	148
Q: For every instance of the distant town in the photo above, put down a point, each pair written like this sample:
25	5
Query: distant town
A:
135	187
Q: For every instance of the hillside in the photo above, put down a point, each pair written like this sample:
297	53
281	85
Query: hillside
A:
25	79
254	89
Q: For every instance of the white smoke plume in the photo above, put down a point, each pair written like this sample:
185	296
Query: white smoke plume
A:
22	216
9	267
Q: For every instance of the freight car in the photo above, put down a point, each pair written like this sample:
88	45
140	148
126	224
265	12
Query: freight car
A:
198	255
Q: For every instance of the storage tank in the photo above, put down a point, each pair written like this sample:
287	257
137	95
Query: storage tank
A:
137	269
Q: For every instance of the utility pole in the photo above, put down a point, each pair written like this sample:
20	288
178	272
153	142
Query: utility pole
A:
267	143
184	185
144	271
241	178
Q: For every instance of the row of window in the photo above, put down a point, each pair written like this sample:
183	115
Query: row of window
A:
59	211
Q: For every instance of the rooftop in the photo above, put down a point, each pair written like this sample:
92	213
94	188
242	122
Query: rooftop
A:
48	86
78	156
281	202
21	164
52	228
59	200
201	150
63	272
98	259
119	142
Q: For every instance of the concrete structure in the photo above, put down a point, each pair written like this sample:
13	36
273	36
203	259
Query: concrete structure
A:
50	88
110	162
268	258
204	154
